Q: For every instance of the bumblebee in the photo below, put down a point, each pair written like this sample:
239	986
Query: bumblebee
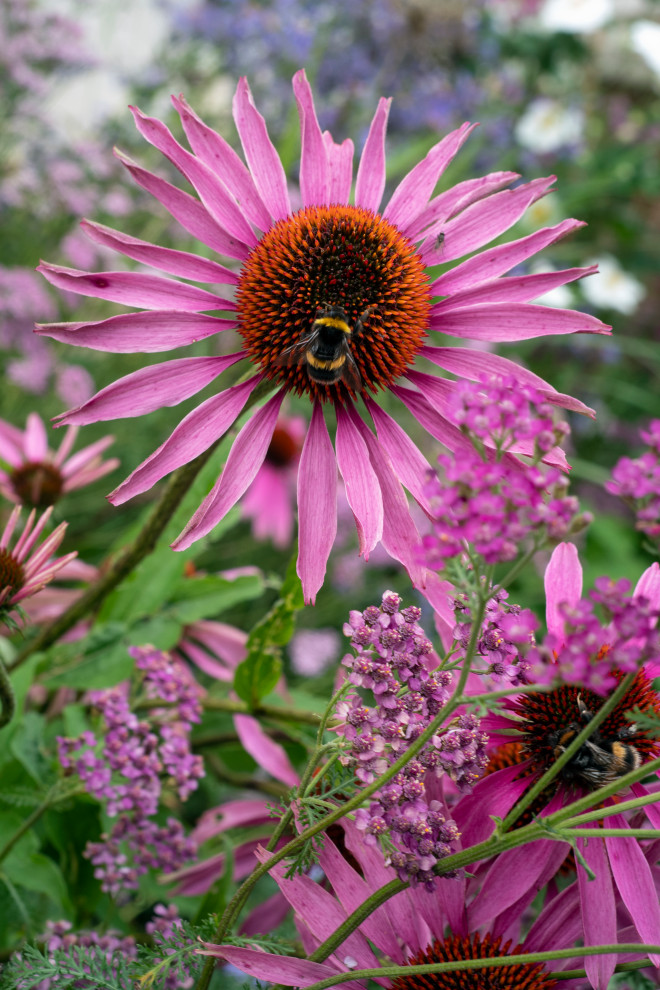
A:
599	760
325	348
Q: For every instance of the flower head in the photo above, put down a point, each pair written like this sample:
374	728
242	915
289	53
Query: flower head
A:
37	476
26	568
332	300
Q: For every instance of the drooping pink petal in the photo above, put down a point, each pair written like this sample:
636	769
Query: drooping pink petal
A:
558	925
435	424
648	585
477	365
231	814
268	503
361	483
266	916
598	909
35	439
410	465
150	388
132	289
514	321
260	153
245	458
495	261
138	333
317	505
194	434
187	210
400	536
213	193
459	197
632	876
412	194
498	792
483	221
370	181
287	970
314	168
521	288
180	263
266	753
440	593
340	167
563	583
221	158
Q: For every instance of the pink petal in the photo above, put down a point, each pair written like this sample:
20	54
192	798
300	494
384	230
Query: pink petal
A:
412	194
212	192
632	876
194	434
563	583
132	289
317	505
180	263
483	221
493	795
314	167
226	642
262	158
558	926
648	585
266	916
598	909
187	210
440	594
361	483
435	424
268	503
138	333
410	465
340	165
266	753
35	440
231	814
370	181
477	365
489	264
522	288
514	321
457	198
150	388
245	458
287	970
220	157
400	536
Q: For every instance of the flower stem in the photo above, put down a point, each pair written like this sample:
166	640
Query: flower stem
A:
6	697
355	919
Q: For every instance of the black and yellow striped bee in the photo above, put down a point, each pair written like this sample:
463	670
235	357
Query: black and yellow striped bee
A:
325	349
599	760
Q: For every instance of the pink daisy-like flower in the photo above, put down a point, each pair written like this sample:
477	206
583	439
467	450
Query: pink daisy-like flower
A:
332	300
37	476
530	738
26	567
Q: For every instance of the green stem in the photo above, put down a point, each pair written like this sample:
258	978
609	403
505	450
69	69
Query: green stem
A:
570	819
355	919
466	965
537	788
7	699
634	833
56	793
275	712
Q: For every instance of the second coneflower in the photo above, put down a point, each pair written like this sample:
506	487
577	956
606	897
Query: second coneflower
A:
333	300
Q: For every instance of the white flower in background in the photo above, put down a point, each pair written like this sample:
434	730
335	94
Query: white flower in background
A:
77	105
611	287
579	16
645	40
560	297
547	125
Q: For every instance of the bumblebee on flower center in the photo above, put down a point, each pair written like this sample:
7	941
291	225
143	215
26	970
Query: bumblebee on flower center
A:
333	300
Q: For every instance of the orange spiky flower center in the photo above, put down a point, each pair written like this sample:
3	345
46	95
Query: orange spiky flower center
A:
457	948
332	301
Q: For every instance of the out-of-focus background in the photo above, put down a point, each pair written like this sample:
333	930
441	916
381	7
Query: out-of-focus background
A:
565	87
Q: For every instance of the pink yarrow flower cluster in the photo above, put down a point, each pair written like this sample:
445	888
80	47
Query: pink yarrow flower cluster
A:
125	769
344	255
487	499
394	661
637	481
507	633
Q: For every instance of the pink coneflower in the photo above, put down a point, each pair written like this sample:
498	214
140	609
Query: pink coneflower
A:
333	300
37	476
410	928
25	568
529	738
269	501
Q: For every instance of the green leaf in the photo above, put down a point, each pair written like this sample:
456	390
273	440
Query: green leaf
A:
162	632
39	873
203	597
105	661
257	675
26	745
146	589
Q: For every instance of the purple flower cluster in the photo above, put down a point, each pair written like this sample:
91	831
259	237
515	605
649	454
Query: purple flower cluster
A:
591	651
486	497
394	661
125	771
507	633
638	482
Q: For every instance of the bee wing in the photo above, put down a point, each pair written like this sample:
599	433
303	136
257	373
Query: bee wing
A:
599	756
350	373
295	354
